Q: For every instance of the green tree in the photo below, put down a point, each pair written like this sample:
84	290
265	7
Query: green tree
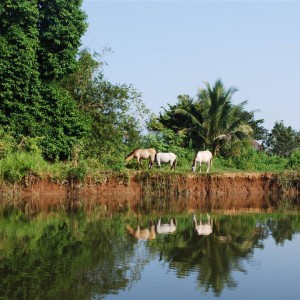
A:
211	119
283	140
19	69
61	25
178	123
39	41
222	119
63	125
80	82
116	111
115	124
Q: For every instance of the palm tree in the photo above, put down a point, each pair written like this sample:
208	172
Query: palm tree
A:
214	118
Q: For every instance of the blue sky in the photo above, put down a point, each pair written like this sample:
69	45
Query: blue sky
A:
169	48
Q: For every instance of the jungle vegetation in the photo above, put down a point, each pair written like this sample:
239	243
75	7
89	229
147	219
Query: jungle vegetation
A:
60	115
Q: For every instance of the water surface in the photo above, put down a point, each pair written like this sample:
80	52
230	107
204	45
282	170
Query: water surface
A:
97	254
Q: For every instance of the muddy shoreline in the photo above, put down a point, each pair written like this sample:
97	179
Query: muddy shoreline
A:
145	191
145	183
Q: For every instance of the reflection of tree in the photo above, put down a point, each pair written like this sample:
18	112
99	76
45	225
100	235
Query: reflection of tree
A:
79	258
213	257
33	265
66	259
115	264
161	204
282	229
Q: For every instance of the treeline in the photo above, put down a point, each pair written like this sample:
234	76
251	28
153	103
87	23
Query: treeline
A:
58	109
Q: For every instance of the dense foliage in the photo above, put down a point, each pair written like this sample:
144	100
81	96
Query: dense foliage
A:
39	41
115	111
57	106
283	140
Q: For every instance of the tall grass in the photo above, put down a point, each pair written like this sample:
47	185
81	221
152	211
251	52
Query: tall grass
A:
15	166
249	160
18	164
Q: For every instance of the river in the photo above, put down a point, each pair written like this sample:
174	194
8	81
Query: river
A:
149	249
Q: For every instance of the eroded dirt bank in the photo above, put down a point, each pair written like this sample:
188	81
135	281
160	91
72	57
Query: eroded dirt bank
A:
144	183
145	190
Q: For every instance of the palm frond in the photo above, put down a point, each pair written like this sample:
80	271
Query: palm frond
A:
190	117
224	137
195	124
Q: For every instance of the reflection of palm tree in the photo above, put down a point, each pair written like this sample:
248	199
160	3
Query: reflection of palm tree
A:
214	259
282	229
215	267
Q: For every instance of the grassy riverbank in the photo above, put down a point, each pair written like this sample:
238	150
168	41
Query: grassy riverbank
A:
17	165
23	168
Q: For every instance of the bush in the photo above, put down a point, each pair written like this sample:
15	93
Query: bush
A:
15	166
77	173
294	160
250	159
7	144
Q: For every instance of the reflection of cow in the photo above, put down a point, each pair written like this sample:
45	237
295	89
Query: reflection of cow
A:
166	227
203	229
150	233
142	234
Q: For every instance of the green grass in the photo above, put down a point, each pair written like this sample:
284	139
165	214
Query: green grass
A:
16	166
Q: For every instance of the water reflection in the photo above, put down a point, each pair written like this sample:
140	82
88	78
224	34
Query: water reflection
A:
205	228
162	228
142	234
74	252
212	256
154	205
154	229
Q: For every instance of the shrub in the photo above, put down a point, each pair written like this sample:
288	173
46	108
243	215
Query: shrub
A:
77	173
7	143
294	160
17	165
